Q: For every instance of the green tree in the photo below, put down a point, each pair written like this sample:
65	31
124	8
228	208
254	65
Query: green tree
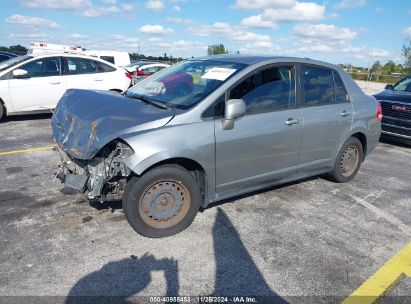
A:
217	49
389	68
406	52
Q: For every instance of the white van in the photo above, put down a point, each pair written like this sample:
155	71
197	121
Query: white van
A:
120	59
117	58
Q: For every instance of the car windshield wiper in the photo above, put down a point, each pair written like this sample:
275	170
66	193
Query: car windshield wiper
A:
148	101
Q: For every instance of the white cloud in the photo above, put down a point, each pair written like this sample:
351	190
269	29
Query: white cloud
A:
155	29
33	21
258	22
260	4
110	1
179	20
226	31
76	36
98	11
30	35
350	3
407	32
260	47
324	32
301	11
155	5
57	4
176	9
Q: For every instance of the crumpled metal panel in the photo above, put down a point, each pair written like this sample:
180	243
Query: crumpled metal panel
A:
85	121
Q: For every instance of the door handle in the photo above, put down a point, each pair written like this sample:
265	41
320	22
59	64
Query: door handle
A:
98	79
55	82
291	121
345	114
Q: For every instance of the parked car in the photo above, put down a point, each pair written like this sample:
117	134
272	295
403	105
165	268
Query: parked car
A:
396	110
35	83
247	123
147	70
6	56
132	67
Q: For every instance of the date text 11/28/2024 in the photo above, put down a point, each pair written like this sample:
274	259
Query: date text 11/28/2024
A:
203	299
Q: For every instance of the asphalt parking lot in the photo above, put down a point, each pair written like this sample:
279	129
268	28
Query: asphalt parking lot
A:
307	242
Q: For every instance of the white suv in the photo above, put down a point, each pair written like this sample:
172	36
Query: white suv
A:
35	83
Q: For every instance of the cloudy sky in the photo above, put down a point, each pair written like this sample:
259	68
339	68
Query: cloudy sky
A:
339	31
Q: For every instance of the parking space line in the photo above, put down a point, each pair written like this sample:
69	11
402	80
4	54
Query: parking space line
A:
26	150
396	269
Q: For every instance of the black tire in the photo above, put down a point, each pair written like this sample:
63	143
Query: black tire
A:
2	112
348	161
172	197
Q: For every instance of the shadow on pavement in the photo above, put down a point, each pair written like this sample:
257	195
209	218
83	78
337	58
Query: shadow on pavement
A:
26	117
118	281
236	273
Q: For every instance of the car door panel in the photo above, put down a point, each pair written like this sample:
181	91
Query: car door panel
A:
260	147
39	91
265	144
327	115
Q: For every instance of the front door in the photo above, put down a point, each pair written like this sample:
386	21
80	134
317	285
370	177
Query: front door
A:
43	87
264	145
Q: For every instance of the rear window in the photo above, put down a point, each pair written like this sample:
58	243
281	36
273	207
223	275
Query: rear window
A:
108	58
104	68
340	92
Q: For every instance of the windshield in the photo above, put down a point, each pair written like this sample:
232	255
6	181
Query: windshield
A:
13	61
184	85
404	85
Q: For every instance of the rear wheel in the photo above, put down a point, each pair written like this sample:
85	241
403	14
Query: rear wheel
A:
348	161
162	202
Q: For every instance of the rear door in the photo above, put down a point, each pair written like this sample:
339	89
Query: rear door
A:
328	116
43	87
265	143
83	73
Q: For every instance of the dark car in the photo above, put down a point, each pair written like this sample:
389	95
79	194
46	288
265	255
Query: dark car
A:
6	56
395	101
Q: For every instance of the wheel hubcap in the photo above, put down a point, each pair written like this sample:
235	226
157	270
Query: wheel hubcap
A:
164	203
349	161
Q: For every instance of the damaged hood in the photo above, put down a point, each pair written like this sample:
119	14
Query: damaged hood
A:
85	121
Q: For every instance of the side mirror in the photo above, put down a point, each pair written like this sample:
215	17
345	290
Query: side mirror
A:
20	73
389	87
234	108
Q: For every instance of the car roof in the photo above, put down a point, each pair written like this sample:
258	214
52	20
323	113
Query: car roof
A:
70	55
154	64
254	59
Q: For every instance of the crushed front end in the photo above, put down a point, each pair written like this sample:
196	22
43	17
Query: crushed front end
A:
102	176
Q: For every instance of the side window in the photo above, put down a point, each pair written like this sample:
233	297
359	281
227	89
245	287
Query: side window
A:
150	70
43	67
340	92
318	86
104	68
216	110
267	90
108	58
81	66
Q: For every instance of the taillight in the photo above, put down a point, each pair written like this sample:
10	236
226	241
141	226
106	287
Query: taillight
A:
379	112
140	73
129	75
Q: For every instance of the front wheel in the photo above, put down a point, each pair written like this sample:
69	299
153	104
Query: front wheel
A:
162	202
2	111
348	161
